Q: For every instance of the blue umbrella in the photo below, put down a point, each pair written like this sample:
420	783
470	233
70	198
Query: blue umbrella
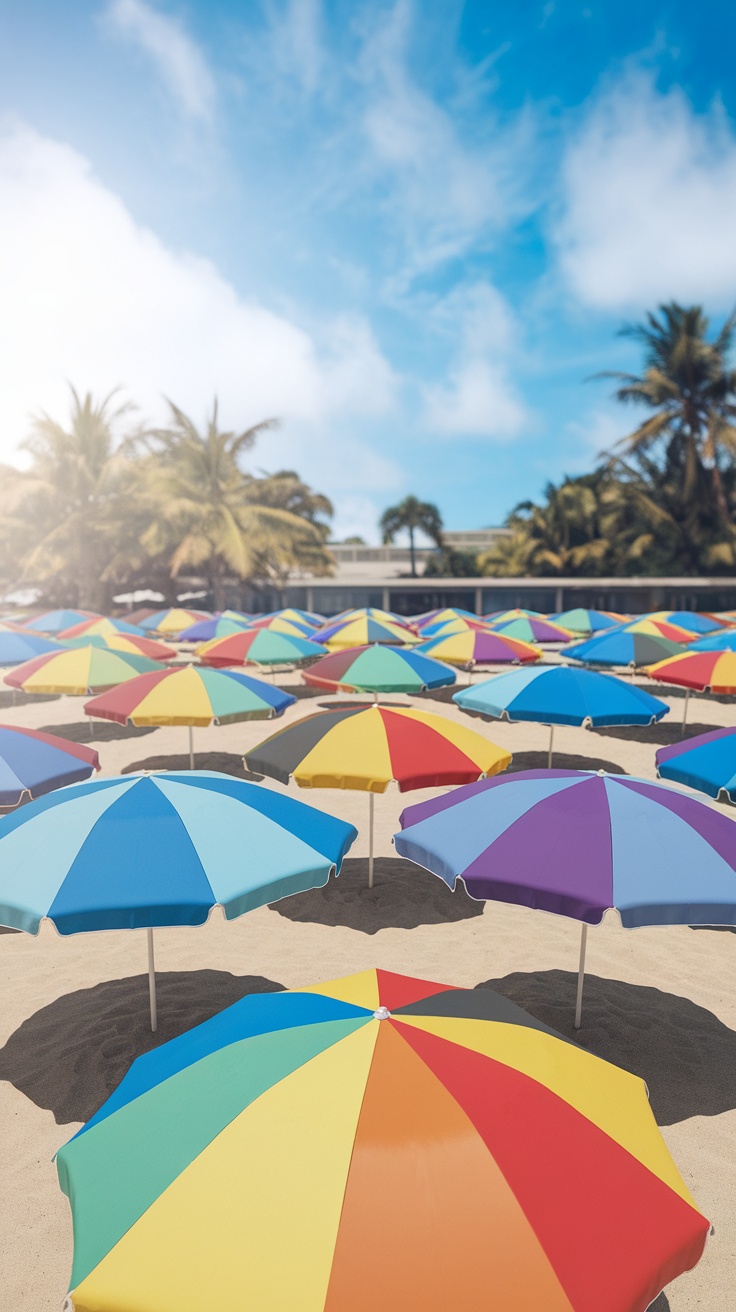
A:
561	694
707	762
216	626
584	621
577	844
161	849
33	762
55	621
721	640
16	648
624	646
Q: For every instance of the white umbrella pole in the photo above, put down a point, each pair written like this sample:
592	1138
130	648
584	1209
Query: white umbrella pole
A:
191	748
684	709
371	806
551	742
152	982
581	977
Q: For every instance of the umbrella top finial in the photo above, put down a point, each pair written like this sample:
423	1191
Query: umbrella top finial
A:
383	1013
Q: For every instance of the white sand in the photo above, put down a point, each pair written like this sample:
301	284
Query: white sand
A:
661	1001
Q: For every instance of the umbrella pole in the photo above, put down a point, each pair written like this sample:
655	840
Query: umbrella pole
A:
152	982
581	977
551	741
191	748
684	709
371	806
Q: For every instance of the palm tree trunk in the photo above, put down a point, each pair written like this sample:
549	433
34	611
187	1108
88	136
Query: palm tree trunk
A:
411	553
719	496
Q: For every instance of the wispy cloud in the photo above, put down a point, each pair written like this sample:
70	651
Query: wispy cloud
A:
649	194
479	397
177	58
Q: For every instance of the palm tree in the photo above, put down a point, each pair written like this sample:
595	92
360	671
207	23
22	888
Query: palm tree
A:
69	505
211	514
690	390
412	515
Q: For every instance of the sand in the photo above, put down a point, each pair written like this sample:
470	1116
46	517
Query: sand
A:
660	1002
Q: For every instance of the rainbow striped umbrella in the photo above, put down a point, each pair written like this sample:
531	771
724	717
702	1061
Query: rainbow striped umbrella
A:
172	621
99	628
77	671
375	1142
190	695
690	620
369	613
444	616
124	642
363	631
367	747
470	647
458	625
278	624
532	630
55	621
699	671
378	669
661	628
515	613
259	647
307	617
215	626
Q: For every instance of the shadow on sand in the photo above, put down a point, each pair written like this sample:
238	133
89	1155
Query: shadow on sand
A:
561	761
223	762
68	1057
659	735
97	731
685	1054
403	896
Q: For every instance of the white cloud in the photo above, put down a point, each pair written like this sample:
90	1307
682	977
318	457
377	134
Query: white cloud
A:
177	59
479	398
448	187
296	48
596	433
649	199
91	297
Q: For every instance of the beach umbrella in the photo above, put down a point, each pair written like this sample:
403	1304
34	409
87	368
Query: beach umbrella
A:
722	640
701	671
99	628
192	696
378	669
79	670
690	620
259	647
33	763
16	648
369	613
707	762
460	624
142	851
308	617
125	642
292	628
658	628
55	621
470	647
375	1142
624	646
141	613
515	613
363	631
442	616
172	621
561	694
532	630
367	747
577	844
216	626
580	620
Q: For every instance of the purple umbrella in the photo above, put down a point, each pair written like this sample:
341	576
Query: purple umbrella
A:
578	844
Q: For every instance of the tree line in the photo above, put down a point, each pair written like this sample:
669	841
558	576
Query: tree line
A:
104	507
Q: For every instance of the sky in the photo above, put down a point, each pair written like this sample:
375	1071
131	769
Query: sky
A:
411	231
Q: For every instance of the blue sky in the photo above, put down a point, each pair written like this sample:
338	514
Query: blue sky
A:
410	230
